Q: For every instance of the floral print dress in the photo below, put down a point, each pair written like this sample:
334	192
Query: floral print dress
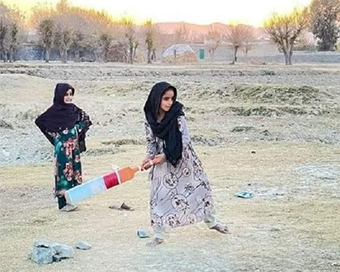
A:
67	158
180	195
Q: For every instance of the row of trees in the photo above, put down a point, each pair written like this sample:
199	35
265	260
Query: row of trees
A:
11	31
67	28
321	17
70	30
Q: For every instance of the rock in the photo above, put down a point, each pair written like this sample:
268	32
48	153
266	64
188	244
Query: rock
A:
63	251
45	252
83	245
42	255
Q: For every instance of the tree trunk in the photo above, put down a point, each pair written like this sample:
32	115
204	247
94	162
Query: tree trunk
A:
131	53
47	55
2	50
290	56
286	58
11	55
212	56
235	54
76	55
149	56
134	52
64	56
153	55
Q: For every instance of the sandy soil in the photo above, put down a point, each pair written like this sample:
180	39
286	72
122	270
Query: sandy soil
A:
271	130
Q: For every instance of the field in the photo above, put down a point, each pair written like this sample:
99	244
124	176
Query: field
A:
267	129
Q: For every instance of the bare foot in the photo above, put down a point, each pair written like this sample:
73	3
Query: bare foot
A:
220	228
155	242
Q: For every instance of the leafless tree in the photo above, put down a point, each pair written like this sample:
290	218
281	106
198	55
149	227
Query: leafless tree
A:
149	39
3	34
105	42
11	31
239	36
62	41
39	13
46	29
129	36
213	40
284	30
181	34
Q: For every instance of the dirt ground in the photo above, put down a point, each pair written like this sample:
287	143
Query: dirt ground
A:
270	130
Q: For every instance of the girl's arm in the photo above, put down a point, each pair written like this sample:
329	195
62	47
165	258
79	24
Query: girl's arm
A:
183	128
151	146
83	122
47	134
83	126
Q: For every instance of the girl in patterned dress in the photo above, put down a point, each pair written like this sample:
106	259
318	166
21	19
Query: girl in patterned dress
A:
180	190
65	126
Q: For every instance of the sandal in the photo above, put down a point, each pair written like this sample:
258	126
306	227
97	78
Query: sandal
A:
122	207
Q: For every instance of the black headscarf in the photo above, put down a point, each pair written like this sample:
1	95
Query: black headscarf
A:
60	115
167	129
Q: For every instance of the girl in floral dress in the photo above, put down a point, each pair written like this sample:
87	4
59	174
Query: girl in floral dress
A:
65	126
180	190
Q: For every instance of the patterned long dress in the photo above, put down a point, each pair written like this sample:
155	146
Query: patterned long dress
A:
67	169
180	195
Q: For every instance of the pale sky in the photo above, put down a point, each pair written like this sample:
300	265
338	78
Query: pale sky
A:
251	12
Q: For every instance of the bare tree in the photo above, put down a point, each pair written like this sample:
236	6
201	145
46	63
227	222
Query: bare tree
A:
213	40
105	41
162	40
39	13
181	34
62	41
80	28
324	20
3	34
238	36
77	43
14	29
11	31
46	28
249	40
149	39
284	30
128	30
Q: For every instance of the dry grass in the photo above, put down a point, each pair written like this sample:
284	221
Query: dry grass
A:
288	159
284	227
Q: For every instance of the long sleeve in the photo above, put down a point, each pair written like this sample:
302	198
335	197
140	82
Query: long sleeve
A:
44	131
83	126
150	141
183	128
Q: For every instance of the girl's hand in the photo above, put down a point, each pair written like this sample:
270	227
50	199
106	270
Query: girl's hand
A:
145	163
158	159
